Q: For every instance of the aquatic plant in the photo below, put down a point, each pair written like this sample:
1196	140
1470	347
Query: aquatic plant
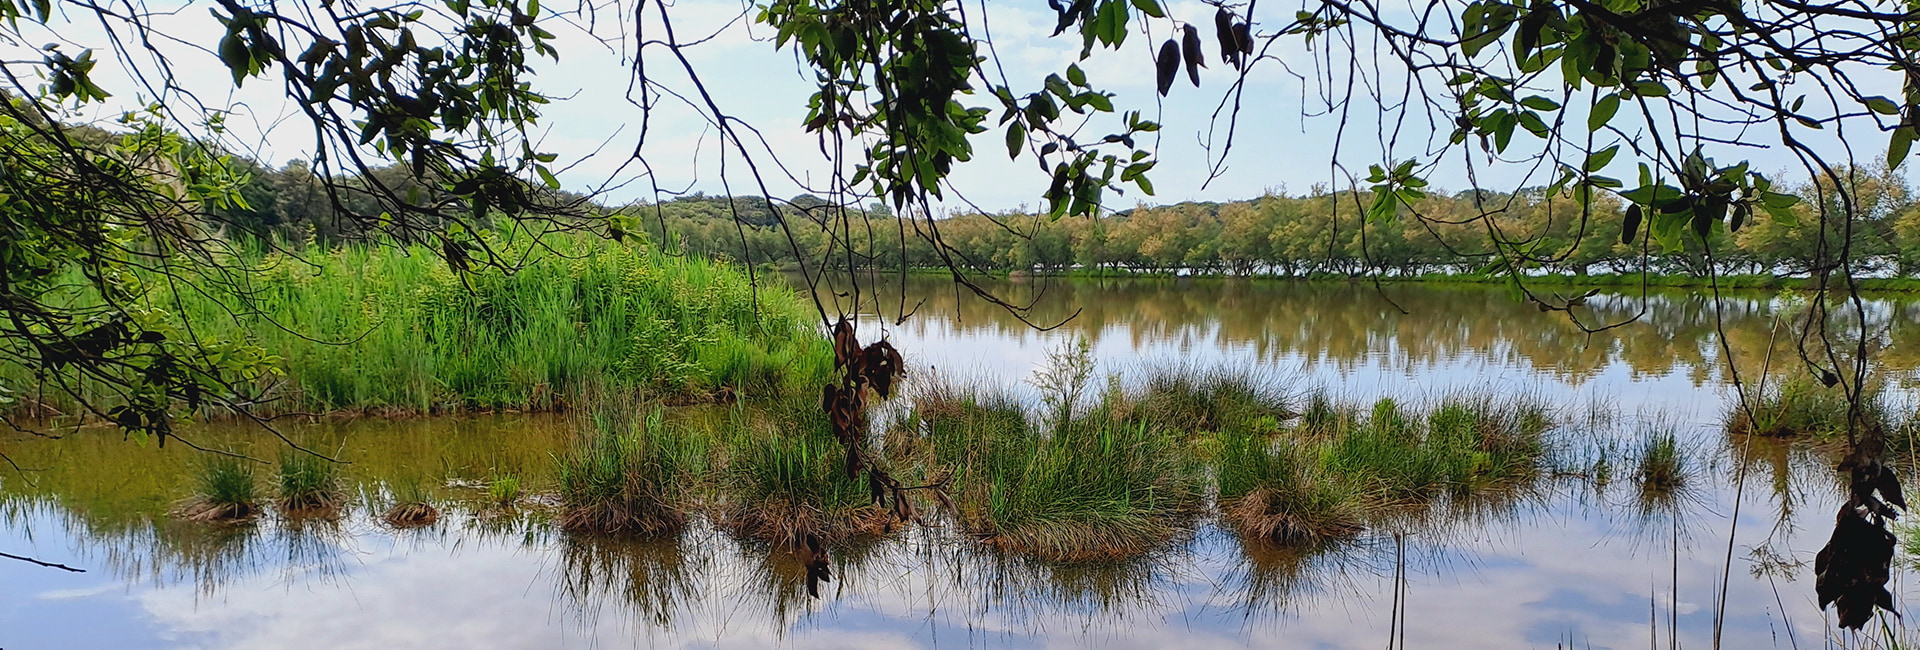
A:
627	473
224	491
1802	407
1100	487
787	482
391	329
503	490
308	483
1279	491
1660	469
1186	397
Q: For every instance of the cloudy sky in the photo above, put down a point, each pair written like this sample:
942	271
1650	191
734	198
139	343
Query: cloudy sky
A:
1286	140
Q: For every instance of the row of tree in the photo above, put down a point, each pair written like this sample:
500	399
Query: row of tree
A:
1318	232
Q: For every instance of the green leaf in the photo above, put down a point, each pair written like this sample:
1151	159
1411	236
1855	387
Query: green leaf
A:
1534	125
1603	111
1539	103
1151	8
547	177
1016	138
1882	105
1076	76
1901	144
1599	159
1652	89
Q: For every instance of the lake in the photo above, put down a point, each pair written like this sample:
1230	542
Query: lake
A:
1574	563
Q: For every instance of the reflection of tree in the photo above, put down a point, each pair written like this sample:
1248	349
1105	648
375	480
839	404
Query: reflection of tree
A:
1346	325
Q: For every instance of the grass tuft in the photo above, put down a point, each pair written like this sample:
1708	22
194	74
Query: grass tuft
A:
225	491
787	479
1803	407
627	473
309	483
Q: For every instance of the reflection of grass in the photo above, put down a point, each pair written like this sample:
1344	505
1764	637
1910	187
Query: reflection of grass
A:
626	474
309	483
1099	487
224	491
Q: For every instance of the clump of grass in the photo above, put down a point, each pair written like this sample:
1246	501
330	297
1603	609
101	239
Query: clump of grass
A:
1660	469
309	483
1100	487
1465	444
1323	414
1280	492
788	480
224	491
503	491
626	474
1803	407
1184	397
412	507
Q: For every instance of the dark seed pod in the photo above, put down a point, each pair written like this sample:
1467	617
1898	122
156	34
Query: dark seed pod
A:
1631	225
1828	378
1740	212
1244	34
1223	32
1702	225
1678	205
1165	67
1196	56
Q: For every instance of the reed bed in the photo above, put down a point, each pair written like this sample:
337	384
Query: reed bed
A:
627	473
1800	406
1188	397
390	329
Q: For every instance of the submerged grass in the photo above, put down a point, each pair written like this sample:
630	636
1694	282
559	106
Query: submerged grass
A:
224	491
412	507
309	484
627	473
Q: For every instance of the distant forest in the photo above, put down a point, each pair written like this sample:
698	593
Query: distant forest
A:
1319	232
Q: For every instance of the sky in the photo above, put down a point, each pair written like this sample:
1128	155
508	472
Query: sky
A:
1284	142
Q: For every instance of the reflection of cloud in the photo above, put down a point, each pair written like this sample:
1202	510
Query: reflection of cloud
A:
72	594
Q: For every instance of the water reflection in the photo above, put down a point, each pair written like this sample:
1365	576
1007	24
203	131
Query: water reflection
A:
1576	553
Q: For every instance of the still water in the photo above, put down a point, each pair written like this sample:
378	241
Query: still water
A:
1575	566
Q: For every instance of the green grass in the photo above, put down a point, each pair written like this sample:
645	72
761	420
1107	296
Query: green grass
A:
1101	487
224	491
1802	407
1339	468
503	491
1661	471
786	478
390	329
1210	399
629	473
1282	492
308	483
412	507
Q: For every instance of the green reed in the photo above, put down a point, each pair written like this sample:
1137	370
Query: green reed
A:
629	472
787	478
1800	406
1219	398
391	328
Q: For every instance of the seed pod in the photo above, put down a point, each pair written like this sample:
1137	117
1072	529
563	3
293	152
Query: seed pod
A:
1196	57
1165	67
1243	33
1223	32
1740	211
1631	226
